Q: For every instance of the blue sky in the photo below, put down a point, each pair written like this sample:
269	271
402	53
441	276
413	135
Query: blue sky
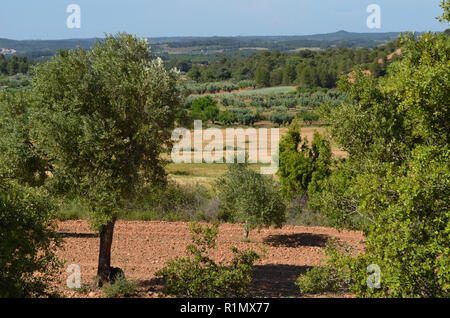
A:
46	19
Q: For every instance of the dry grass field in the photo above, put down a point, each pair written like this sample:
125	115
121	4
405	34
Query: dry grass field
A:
206	174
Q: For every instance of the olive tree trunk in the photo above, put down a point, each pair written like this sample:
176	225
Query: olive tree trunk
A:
246	230
104	257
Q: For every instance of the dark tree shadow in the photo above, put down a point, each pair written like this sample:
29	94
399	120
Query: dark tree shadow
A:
276	281
268	281
155	284
78	235
297	240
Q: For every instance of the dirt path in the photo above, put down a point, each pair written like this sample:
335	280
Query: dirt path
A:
141	248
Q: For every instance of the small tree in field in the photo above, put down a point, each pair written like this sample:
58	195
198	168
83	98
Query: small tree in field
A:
251	198
302	167
199	276
104	117
205	108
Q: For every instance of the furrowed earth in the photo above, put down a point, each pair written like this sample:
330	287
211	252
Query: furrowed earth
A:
141	248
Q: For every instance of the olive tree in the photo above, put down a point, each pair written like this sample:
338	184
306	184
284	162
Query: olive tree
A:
103	118
251	198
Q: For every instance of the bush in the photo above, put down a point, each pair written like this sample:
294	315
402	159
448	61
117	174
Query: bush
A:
308	117
302	170
298	213
227	117
281	118
28	242
394	185
319	280
19	159
249	197
333	277
120	287
174	202
198	276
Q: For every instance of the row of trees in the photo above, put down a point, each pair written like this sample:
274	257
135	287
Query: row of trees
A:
190	87
14	65
307	67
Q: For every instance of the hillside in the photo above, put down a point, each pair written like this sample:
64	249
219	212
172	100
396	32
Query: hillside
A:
211	45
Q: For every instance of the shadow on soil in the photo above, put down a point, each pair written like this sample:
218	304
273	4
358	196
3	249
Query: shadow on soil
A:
78	235
276	280
268	281
297	240
155	285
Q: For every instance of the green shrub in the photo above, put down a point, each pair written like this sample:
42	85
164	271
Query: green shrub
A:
28	242
121	287
181	173
84	289
395	184
319	280
332	277
73	209
198	276
251	198
174	202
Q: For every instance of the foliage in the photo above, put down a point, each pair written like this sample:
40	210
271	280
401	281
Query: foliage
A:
302	166
205	108
262	77
14	65
281	118
172	202
249	197
198	276
102	127
19	159
332	277
445	17
15	82
121	287
309	117
395	183
306	67
244	116
227	117
28	242
190	87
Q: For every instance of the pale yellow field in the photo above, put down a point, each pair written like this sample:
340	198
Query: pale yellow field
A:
206	174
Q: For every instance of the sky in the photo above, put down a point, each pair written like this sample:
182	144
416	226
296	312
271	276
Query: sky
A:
47	19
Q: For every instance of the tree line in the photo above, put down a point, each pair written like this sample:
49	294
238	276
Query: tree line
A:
14	65
307	67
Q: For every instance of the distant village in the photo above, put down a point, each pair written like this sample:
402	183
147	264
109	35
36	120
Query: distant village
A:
7	51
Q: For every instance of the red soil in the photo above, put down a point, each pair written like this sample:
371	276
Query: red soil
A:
141	248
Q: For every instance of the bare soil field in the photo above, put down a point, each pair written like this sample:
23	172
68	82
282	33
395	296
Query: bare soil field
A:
141	248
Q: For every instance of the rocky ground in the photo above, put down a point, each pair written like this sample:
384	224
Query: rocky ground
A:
141	248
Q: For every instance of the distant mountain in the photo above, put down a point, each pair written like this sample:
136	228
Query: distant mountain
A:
36	48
